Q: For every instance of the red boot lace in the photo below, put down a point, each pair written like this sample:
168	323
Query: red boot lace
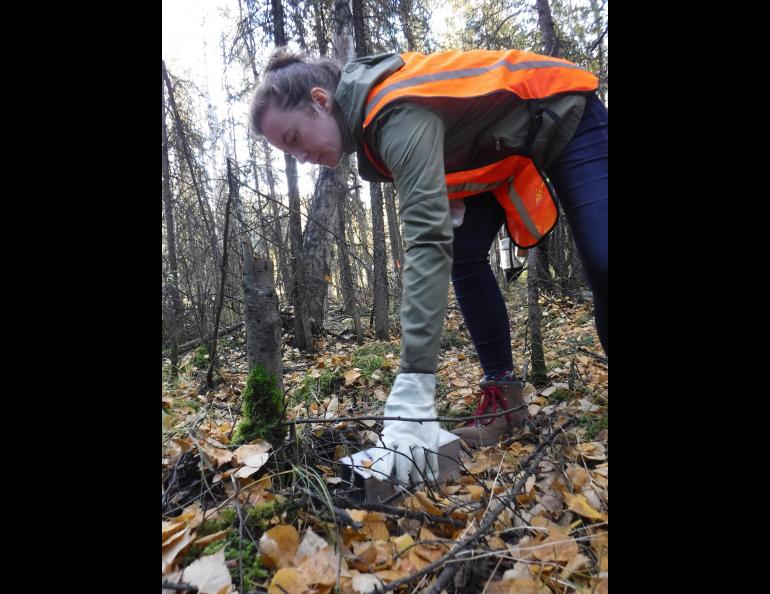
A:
491	398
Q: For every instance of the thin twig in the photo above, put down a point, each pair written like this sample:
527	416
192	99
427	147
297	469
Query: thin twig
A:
418	420
181	587
594	355
533	460
398	511
341	513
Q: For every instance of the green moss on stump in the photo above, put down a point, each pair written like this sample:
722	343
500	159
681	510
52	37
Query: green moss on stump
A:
262	410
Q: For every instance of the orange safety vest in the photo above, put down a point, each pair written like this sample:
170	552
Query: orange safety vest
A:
517	183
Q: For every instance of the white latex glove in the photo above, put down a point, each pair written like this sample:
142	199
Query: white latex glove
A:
412	396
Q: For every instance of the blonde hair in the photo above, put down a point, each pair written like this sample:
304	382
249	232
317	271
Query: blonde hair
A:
287	81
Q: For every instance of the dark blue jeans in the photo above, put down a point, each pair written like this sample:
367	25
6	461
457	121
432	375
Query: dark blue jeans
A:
579	176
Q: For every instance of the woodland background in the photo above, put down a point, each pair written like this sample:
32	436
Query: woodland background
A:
298	270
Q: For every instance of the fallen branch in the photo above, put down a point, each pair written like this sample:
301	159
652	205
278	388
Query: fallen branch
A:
503	502
397	511
183	348
430	420
340	513
594	355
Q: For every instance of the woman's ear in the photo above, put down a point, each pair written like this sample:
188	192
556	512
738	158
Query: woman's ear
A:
322	97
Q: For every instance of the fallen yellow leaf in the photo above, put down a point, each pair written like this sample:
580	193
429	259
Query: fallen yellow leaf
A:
556	548
351	376
579	504
278	545
288	579
207	540
402	542
174	547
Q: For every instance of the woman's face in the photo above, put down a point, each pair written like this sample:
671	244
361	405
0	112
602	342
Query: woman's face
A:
312	137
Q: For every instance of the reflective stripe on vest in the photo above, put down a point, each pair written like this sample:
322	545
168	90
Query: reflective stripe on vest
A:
477	73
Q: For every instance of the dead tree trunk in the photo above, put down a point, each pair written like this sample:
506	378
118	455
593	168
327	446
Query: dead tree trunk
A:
303	334
396	244
176	302
538	374
346	277
263	318
322	219
545	22
261	314
330	185
276	227
188	158
232	188
363	232
380	266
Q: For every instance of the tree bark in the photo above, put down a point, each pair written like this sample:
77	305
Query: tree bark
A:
303	335
176	302
315	243
261	314
365	275
346	276
262	317
396	244
404	14
359	30
538	375
380	265
545	22
600	33
331	183
187	153
232	187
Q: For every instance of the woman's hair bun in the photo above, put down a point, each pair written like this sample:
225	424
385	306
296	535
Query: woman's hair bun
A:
282	57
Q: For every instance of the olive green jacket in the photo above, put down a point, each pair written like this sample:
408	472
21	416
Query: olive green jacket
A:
417	145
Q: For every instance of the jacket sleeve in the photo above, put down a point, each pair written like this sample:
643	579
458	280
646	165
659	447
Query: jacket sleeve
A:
410	142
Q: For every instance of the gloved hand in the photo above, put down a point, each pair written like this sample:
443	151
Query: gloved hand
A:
412	396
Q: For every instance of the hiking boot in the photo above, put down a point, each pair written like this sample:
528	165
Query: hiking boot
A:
497	395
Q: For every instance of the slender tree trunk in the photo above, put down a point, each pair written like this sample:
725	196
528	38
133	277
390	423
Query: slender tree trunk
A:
285	270
545	22
404	14
330	184
396	244
346	277
223	276
320	28
380	265
303	335
176	315
538	375
600	33
187	153
359	31
363	231
322	219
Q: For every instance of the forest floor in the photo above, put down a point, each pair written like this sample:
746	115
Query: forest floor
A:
526	515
